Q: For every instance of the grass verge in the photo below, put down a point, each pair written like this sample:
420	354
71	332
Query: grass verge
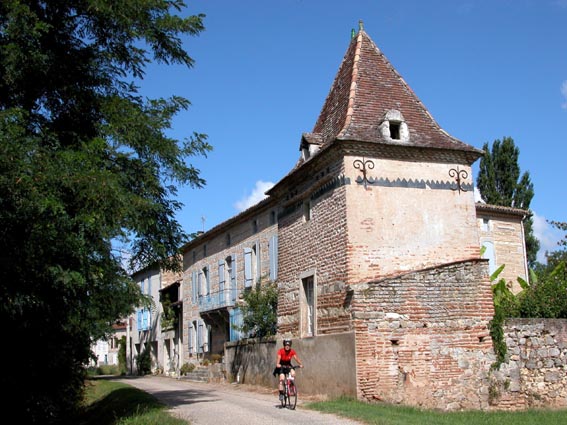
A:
383	414
115	403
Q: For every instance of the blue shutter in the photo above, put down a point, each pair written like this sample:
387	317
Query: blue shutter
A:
273	252
233	282
490	254
258	262
222	297
194	287
139	320
200	337
208	281
236	320
247	267
190	339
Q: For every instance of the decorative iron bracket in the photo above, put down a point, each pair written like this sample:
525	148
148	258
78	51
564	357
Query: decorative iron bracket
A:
363	165
459	176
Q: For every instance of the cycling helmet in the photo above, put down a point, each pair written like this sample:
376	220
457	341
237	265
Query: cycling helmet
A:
286	342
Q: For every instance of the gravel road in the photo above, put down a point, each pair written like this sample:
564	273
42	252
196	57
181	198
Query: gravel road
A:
218	404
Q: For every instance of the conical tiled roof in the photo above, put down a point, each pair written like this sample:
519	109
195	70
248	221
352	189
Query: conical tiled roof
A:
365	89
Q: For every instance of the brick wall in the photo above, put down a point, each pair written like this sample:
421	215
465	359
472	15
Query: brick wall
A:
315	246
422	338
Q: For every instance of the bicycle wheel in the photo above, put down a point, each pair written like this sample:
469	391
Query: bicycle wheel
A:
292	395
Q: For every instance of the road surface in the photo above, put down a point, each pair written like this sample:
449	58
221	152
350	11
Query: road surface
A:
219	404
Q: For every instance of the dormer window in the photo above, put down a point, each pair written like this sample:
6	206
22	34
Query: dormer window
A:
394	127
310	144
395	130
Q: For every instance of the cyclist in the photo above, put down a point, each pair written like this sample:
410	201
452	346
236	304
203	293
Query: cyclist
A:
283	363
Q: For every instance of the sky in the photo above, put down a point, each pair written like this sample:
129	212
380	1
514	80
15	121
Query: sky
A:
484	69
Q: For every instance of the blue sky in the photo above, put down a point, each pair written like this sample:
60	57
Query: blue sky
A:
484	69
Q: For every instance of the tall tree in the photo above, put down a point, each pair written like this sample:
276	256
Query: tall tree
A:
85	161
499	183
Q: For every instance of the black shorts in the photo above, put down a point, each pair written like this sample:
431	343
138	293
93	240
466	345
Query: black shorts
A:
279	370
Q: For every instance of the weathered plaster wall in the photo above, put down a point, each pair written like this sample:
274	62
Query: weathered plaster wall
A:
329	364
411	220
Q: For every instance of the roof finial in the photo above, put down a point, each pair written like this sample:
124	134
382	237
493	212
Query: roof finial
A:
352	33
360	25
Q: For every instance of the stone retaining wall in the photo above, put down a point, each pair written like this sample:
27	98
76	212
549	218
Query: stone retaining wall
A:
535	372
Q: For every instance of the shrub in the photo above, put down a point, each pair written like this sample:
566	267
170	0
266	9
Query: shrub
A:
144	362
187	368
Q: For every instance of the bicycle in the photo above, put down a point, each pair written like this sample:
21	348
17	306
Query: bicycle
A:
290	390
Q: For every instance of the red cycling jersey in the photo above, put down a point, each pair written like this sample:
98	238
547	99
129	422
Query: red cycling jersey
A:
286	356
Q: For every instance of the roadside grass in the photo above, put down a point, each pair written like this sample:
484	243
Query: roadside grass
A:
383	414
114	403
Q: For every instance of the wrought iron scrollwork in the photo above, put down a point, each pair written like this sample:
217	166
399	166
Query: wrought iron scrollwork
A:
459	176
363	165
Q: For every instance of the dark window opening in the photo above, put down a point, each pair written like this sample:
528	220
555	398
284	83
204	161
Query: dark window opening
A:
395	130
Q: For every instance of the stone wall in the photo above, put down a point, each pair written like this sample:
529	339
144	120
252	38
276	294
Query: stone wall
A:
422	338
535	372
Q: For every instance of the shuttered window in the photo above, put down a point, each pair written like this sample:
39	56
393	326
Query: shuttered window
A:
273	253
248	278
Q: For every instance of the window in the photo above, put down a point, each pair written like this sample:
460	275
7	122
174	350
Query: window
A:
255	226
204	250
222	280
248	267
228	239
394	126
252	265
192	337
273	253
201	338
206	282
485	227
490	255
307	306
194	287
231	272
273	217
307	211
236	320
395	130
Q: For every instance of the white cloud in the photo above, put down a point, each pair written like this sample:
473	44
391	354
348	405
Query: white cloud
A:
564	93
547	235
258	193
477	197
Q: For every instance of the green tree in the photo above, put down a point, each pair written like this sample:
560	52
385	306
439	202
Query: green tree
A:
259	310
500	183
85	161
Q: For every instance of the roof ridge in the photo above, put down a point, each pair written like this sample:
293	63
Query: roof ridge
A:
353	82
